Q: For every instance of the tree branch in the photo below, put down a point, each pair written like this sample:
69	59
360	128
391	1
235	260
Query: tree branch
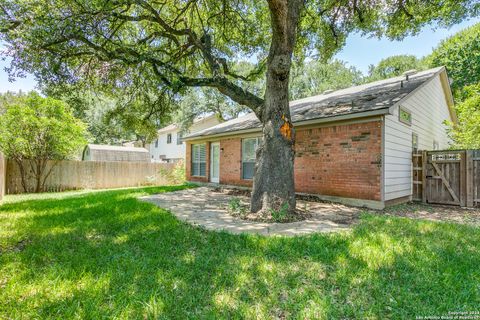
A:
234	92
11	23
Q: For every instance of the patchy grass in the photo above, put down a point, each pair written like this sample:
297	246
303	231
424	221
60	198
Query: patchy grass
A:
91	255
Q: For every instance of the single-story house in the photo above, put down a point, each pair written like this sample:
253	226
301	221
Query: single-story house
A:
102	152
352	145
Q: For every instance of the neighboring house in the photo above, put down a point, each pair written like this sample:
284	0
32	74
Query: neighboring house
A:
134	143
352	145
99	152
169	146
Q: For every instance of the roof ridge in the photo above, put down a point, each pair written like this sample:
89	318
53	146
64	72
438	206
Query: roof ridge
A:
369	97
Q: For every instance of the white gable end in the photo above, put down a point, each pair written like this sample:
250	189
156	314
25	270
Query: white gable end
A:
429	110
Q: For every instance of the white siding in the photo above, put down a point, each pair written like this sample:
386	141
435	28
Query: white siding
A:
173	150
429	110
167	150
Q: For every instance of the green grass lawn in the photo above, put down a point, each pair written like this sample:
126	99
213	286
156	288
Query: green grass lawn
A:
93	255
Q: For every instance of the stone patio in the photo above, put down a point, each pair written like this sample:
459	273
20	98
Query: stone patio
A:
207	208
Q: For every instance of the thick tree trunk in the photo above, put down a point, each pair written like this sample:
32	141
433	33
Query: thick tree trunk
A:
273	184
22	175
38	176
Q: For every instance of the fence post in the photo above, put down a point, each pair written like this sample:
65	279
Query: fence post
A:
424	176
463	180
469	178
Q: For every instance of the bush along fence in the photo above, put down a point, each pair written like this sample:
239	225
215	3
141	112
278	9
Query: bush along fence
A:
73	175
450	177
3	169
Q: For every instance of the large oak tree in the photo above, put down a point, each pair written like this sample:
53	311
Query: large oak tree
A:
193	43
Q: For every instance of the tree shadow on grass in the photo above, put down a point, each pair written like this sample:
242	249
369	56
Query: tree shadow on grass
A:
109	255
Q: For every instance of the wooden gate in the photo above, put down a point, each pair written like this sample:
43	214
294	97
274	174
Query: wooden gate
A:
449	177
445	177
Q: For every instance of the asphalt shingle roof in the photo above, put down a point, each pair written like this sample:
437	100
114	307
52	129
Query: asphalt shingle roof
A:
358	99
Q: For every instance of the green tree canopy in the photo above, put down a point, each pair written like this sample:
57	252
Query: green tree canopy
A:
466	134
34	130
314	77
197	102
394	66
8	98
113	115
461	55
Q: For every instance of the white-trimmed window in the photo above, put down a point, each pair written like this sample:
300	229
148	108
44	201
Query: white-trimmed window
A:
179	138
199	160
405	116
249	147
169	138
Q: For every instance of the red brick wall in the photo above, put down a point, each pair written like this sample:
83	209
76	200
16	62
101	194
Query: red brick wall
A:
231	162
343	161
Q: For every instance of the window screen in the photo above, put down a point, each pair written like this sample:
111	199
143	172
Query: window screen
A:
405	116
179	138
199	157
249	147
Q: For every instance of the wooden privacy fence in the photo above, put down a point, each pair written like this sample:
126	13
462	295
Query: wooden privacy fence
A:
72	175
3	169
447	177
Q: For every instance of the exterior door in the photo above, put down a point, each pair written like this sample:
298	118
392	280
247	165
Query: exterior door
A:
215	162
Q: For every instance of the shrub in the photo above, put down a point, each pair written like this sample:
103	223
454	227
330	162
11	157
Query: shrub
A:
236	208
176	175
35	130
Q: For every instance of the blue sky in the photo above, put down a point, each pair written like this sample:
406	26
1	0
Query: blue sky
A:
359	52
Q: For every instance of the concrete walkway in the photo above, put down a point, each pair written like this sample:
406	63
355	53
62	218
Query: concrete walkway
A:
205	207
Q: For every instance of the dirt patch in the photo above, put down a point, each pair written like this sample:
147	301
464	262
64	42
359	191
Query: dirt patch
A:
239	204
345	215
232	191
435	213
269	217
239	207
307	206
18	247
